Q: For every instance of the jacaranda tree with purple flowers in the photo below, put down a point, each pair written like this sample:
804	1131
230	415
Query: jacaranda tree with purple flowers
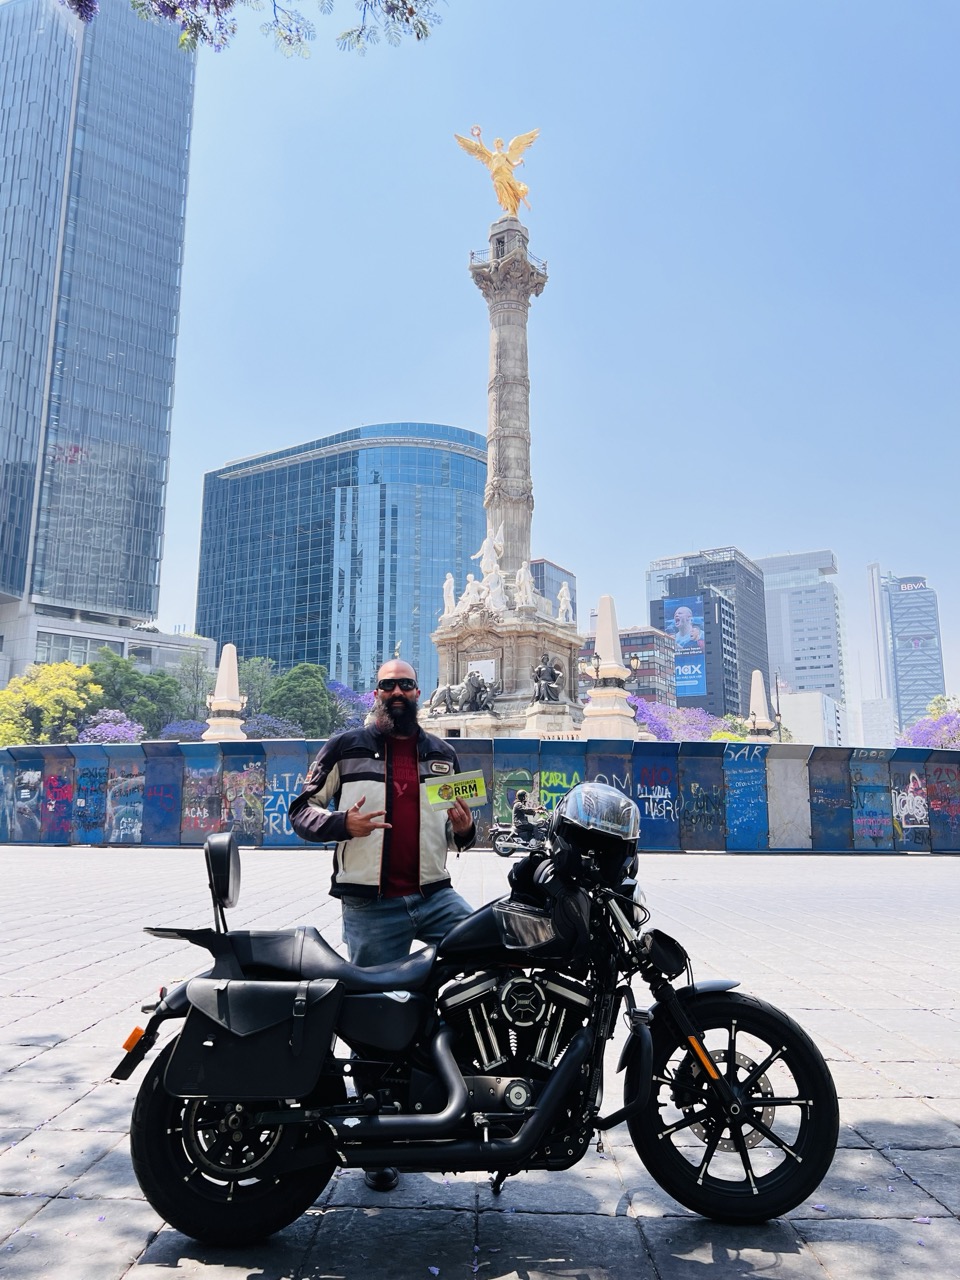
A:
354	707
214	23
940	727
183	731
263	726
111	726
676	724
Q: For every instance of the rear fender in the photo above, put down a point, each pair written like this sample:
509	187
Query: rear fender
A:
173	1005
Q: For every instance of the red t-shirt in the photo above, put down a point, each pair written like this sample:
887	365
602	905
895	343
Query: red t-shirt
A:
401	875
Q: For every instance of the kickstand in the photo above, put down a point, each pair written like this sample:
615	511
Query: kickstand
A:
497	1181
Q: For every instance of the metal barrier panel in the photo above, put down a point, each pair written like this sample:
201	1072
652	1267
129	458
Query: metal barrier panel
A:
162	793
90	793
242	787
943	798
56	813
908	798
702	805
200	799
610	761
27	793
123	820
745	787
788	796
562	765
476	754
516	767
285	771
8	808
870	793
656	790
831	808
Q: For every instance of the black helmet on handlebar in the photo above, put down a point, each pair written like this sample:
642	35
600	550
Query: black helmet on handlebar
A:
596	825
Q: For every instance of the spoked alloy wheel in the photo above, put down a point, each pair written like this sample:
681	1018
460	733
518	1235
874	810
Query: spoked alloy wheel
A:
770	1156
204	1164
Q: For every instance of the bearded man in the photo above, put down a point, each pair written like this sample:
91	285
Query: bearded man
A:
390	864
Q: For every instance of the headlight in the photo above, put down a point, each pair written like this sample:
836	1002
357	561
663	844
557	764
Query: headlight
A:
631	889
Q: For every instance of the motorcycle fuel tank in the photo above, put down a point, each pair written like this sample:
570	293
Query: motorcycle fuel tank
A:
501	932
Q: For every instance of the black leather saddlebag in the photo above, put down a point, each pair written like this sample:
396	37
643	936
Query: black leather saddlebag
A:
253	1039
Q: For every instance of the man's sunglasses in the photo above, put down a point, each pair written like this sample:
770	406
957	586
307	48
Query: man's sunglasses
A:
405	684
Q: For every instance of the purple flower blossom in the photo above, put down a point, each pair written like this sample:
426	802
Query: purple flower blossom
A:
940	731
675	724
111	726
267	726
354	707
86	10
183	731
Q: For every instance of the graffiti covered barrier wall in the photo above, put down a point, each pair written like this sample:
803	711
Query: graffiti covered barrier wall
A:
739	797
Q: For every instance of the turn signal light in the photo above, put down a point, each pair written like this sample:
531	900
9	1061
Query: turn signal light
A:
135	1035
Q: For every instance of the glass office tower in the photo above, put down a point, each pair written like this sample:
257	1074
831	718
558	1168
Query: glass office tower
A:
335	552
907	644
804	623
94	136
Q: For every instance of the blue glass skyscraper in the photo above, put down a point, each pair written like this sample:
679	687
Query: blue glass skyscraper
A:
334	552
94	136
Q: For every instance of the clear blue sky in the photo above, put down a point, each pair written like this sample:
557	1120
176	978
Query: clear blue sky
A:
751	332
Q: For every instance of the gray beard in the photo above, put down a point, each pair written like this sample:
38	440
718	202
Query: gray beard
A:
391	721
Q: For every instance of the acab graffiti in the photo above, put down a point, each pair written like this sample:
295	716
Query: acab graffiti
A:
909	800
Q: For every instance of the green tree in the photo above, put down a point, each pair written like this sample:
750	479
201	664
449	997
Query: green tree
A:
46	704
152	700
160	701
256	677
195	681
301	695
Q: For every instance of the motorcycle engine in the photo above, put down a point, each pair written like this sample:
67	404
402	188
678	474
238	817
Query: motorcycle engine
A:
515	1024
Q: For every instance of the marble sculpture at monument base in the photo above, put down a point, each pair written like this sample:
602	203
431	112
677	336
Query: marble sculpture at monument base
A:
506	650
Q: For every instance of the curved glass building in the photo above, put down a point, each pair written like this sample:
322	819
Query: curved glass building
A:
335	552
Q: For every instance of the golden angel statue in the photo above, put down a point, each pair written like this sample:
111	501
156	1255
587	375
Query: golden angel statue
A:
501	164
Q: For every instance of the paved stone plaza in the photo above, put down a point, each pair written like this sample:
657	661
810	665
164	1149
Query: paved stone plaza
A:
863	951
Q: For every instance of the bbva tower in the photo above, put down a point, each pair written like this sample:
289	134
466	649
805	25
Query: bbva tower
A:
334	552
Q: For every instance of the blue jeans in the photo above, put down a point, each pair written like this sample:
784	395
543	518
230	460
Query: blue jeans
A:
380	930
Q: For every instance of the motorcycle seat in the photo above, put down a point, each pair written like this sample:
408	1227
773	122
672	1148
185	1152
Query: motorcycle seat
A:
305	954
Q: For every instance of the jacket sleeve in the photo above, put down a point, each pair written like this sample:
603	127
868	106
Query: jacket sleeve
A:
309	815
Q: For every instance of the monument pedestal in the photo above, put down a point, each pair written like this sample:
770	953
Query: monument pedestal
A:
505	649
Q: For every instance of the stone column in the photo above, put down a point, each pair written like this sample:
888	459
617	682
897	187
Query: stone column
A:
508	278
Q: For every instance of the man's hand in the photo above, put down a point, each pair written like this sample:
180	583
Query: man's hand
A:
461	819
362	824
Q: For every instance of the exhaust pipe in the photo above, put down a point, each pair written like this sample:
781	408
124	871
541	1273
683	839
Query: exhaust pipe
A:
435	1125
461	1156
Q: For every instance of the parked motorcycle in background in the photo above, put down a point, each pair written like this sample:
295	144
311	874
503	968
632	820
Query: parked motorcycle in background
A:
484	1053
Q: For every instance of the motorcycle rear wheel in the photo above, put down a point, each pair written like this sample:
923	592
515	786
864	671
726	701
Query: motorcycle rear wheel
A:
770	1158
499	841
202	1180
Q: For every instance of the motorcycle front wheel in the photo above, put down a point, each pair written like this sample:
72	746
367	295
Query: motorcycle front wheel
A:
204	1167
776	1151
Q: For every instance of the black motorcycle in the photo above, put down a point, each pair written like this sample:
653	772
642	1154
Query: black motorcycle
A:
485	1053
506	841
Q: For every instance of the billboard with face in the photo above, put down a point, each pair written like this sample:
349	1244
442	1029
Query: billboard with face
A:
683	619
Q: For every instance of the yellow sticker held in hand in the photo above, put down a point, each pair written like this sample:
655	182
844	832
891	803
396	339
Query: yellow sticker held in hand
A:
468	787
